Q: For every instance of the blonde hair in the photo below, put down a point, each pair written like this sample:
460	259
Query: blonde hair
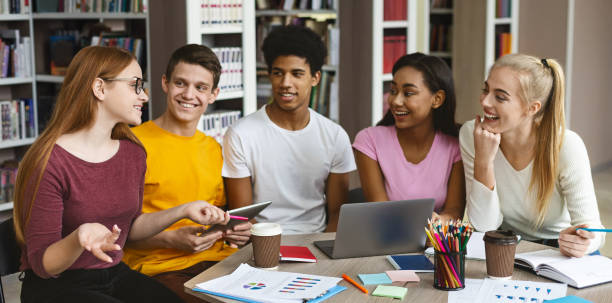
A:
75	109
542	80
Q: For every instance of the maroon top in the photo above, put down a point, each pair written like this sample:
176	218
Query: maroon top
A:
73	191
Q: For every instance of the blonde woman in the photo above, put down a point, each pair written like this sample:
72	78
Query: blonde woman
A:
524	171
80	185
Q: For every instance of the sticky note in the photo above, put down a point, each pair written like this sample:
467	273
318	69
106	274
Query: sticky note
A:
369	279
568	299
402	276
390	291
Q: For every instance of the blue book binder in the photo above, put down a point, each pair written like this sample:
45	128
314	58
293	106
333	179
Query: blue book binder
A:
331	292
418	263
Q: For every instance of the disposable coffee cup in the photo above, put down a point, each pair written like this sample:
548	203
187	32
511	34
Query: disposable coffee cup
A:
266	238
500	246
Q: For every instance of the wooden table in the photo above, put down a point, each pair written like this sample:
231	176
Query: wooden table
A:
417	292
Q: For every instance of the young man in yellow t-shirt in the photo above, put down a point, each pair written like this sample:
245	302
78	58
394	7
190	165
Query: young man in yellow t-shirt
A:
183	165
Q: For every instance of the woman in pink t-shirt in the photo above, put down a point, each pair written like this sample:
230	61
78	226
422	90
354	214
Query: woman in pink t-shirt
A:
413	152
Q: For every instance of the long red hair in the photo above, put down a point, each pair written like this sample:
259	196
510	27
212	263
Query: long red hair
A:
75	109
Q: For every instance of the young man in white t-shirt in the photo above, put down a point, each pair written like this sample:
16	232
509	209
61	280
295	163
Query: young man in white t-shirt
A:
285	152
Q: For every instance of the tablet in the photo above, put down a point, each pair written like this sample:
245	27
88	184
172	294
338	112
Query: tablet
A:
249	211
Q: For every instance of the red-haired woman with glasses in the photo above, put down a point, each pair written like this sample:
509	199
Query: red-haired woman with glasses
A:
79	188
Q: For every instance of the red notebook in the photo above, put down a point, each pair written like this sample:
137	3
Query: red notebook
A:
297	253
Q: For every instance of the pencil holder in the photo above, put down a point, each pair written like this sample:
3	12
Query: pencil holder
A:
449	270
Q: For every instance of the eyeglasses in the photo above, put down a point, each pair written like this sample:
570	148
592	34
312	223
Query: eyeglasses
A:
138	86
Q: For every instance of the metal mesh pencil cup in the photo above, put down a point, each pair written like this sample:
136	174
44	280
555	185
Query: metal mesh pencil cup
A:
449	270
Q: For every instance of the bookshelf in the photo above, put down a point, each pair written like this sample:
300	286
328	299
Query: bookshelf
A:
322	18
225	29
18	127
439	29
40	85
366	74
482	32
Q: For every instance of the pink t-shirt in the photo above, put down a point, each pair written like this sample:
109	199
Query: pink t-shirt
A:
405	180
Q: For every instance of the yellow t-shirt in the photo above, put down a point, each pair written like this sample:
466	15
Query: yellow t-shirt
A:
179	170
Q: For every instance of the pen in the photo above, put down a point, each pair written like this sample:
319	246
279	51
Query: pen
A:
604	230
354	283
239	218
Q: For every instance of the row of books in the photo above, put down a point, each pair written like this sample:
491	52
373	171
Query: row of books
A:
231	68
395	10
15	54
216	123
14	6
325	28
91	6
64	44
8	173
393	47
503	8
503	44
122	40
221	12
296	4
440	39
441	3
324	97
17	119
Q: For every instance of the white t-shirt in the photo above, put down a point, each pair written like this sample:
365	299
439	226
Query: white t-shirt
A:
511	206
289	168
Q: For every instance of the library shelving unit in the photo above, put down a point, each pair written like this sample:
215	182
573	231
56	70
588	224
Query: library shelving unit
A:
40	85
324	21
49	24
14	86
193	21
439	29
483	31
368	52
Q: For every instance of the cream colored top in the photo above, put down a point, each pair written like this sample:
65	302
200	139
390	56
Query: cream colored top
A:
511	206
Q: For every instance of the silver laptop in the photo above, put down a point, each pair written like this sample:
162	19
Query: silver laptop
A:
379	228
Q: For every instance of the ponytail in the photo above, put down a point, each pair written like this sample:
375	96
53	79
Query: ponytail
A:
542	80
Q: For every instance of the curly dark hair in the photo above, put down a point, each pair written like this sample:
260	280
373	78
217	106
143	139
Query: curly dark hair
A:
437	76
297	41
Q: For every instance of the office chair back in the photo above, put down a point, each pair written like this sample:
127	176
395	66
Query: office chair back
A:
9	252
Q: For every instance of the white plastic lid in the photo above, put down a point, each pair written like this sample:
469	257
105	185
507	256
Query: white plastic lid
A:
266	229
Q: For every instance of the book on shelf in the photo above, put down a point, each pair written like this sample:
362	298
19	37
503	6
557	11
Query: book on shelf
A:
394	46
395	10
231	68
221	12
15	54
295	4
14	6
121	40
503	8
503	44
577	272
8	173
216	123
441	3
90	6
16	119
440	37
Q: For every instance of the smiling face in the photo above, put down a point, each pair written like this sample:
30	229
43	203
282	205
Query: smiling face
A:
410	100
292	82
504	110
120	101
189	91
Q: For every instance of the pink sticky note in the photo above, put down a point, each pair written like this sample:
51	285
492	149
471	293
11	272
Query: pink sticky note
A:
403	276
